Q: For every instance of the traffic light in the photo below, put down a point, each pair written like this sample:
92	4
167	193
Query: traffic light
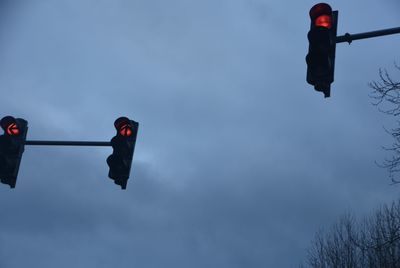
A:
322	45
11	148
123	144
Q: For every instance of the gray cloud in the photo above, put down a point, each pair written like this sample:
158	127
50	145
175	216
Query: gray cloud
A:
238	160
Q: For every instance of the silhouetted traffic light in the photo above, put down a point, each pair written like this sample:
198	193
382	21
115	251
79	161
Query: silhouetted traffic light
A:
322	45
123	146
11	148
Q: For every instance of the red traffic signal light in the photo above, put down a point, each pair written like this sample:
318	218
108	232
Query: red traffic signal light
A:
123	126
321	15
322	45
123	145
11	148
125	130
10	126
324	21
13	130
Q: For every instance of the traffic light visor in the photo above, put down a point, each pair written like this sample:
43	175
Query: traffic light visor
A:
321	15
10	126
123	126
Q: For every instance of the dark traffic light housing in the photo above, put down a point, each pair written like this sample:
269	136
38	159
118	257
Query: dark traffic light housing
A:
123	144
11	148
322	45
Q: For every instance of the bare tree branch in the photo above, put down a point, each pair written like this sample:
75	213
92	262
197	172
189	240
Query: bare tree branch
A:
372	242
386	96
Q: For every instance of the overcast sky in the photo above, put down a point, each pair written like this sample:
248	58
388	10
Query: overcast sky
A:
238	160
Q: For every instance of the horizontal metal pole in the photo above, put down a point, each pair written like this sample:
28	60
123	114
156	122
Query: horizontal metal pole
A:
69	143
351	37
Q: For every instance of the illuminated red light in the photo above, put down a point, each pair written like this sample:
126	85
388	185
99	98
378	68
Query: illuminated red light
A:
324	21
125	130
124	127
12	129
321	15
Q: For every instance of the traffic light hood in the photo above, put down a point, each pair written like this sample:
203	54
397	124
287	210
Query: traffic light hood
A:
9	125
319	10
321	15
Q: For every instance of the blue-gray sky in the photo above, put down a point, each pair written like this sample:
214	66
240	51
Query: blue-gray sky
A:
238	160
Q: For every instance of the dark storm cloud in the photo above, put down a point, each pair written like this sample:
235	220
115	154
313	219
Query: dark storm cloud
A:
238	160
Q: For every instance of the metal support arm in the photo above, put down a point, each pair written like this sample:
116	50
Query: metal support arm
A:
69	143
351	37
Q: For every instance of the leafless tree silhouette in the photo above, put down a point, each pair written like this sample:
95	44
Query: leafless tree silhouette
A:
386	96
371	242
